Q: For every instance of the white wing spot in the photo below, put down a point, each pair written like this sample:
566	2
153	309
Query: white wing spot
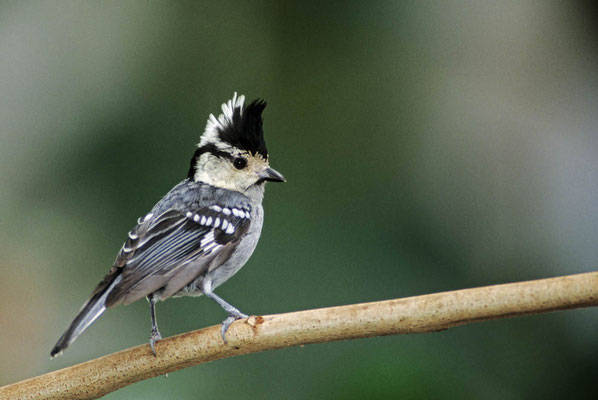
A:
203	220
189	214
216	208
196	217
216	222
236	212
230	229
226	211
211	246
207	239
209	221
224	224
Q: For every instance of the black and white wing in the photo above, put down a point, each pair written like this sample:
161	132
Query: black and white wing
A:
168	251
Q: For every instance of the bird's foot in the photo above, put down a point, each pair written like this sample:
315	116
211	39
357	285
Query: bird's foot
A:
155	336
232	317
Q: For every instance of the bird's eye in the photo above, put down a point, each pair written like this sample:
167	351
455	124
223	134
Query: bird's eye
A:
240	163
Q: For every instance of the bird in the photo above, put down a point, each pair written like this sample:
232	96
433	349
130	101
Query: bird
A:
201	232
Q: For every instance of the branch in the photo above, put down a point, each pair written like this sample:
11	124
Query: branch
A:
420	314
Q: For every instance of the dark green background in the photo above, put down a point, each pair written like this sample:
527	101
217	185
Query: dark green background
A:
428	146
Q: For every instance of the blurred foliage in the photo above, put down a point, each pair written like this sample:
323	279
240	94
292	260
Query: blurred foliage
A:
428	146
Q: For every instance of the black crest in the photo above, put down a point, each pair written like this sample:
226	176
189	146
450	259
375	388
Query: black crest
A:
245	129
238	126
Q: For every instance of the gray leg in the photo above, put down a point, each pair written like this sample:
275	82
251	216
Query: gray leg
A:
155	336
233	313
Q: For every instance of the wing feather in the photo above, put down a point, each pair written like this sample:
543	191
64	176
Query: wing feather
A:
171	250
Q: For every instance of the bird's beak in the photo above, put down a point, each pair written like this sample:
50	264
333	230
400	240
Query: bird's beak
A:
270	174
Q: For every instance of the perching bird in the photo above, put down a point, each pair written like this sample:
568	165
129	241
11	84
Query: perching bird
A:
201	233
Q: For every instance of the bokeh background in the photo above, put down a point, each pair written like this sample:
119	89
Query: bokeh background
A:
428	146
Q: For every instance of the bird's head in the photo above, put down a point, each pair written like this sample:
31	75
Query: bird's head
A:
232	152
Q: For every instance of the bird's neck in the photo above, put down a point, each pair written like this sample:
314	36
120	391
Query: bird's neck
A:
256	193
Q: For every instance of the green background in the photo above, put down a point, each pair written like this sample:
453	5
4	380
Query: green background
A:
428	146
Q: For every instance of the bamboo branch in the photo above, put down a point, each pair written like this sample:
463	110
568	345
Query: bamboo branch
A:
420	314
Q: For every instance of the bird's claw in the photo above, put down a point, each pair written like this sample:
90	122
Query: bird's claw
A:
232	317
155	336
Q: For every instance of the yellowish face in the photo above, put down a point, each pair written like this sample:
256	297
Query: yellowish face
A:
238	173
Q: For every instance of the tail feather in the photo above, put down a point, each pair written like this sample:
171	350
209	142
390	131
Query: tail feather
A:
91	310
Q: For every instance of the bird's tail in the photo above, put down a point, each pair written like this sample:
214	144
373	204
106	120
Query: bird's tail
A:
91	310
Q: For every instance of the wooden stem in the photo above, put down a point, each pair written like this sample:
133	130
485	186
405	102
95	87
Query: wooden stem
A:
427	313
